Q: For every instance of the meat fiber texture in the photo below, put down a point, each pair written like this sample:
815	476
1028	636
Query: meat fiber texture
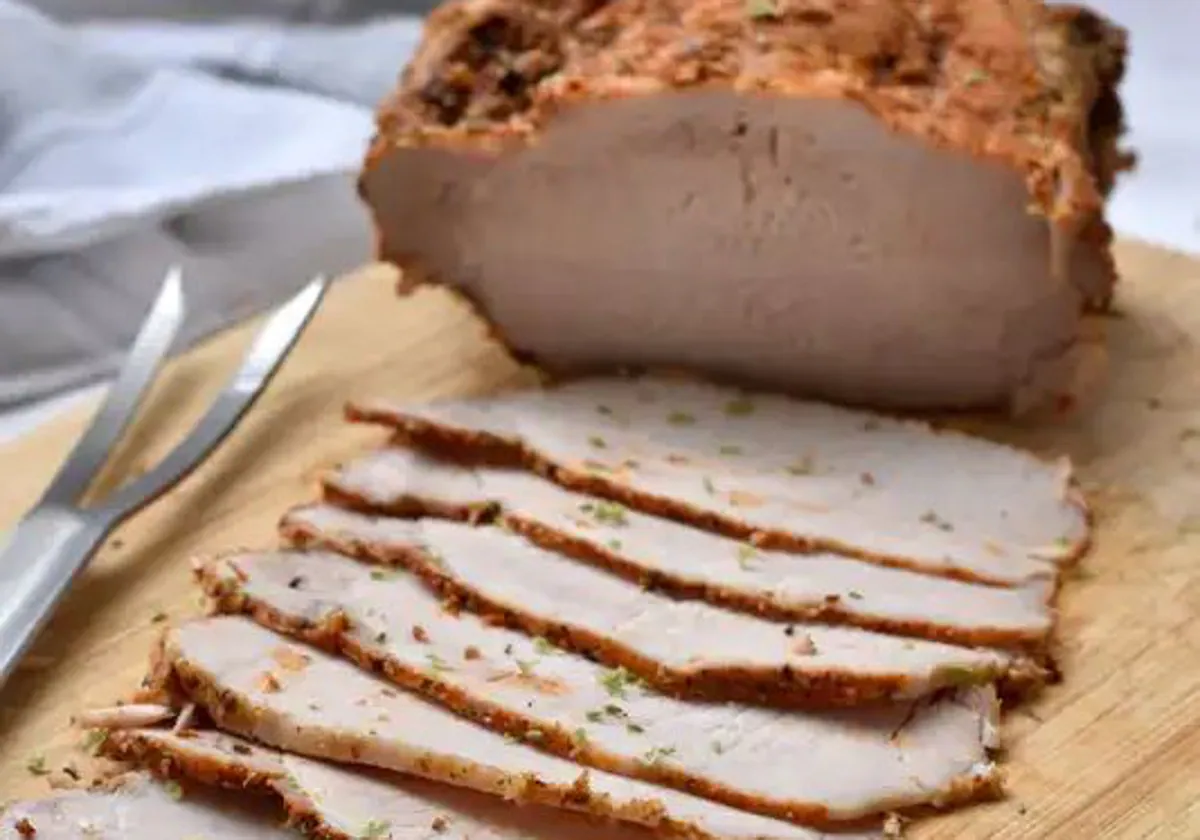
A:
255	684
769	762
691	650
779	473
135	807
337	802
897	205
663	555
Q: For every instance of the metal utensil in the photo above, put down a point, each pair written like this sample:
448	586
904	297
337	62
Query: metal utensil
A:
55	540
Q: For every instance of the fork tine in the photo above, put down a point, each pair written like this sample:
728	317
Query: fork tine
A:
154	339
270	347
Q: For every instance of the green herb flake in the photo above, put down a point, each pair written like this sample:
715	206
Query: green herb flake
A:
597	442
718	747
93	740
962	677
731	449
742	407
746	555
436	663
526	666
856	595
375	830
605	410
709	487
634	728
606	512
174	790
581	736
681	418
615	545
544	647
37	766
656	755
595	716
617	682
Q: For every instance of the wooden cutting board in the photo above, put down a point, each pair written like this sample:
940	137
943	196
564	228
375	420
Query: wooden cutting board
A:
1112	752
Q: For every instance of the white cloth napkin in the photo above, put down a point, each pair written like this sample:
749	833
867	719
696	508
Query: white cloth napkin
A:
229	148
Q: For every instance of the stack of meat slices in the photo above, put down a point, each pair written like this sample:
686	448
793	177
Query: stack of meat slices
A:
686	610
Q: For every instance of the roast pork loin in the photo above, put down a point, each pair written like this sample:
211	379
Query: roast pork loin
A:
338	802
664	555
761	760
691	650
335	802
898	204
778	472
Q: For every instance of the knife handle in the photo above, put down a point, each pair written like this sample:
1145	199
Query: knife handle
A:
44	554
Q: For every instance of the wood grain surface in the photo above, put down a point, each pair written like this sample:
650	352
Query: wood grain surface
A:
1113	752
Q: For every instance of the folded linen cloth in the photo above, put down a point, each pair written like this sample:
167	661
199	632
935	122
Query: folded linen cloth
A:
126	146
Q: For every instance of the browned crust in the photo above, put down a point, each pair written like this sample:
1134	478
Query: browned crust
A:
230	714
333	636
782	687
830	610
302	814
474	446
1031	86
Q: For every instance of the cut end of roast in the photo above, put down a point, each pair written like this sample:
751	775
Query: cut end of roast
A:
790	224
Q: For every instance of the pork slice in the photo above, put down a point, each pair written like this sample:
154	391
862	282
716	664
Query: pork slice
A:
888	203
345	803
330	710
688	562
762	760
783	473
135	807
686	649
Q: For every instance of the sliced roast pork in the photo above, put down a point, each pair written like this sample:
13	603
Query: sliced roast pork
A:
296	698
339	801
893	203
770	762
779	472
135	807
687	649
687	562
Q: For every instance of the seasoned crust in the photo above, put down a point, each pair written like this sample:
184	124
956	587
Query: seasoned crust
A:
791	684
263	772
1017	82
393	482
233	712
477	446
669	813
